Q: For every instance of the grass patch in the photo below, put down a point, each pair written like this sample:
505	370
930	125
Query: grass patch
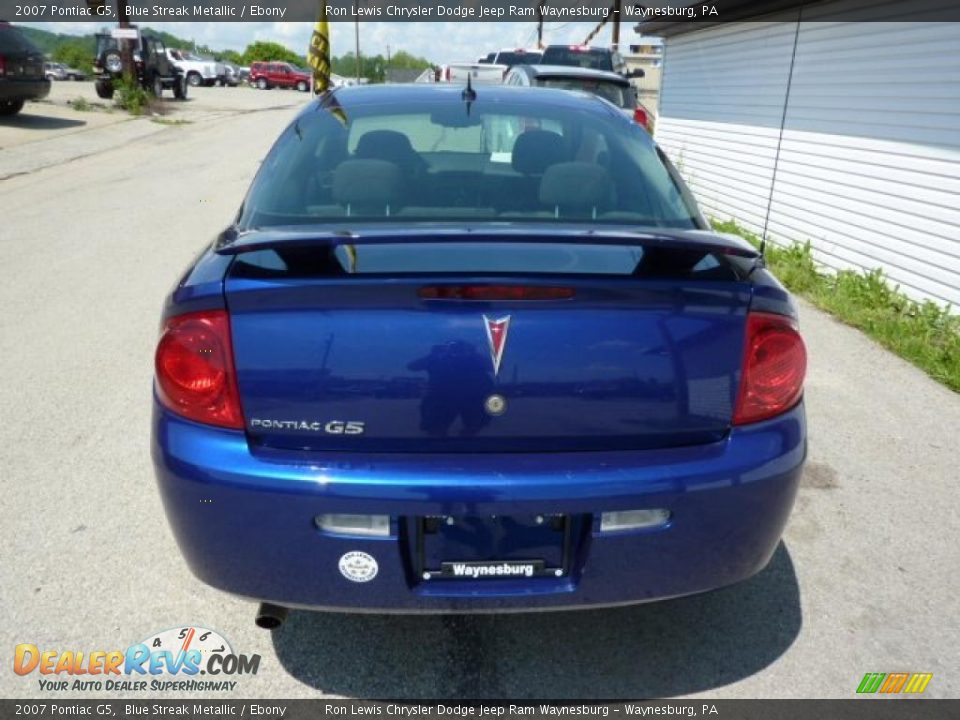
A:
169	121
923	333
80	105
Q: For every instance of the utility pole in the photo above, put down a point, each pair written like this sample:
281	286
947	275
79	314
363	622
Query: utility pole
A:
356	40
616	24
126	46
540	25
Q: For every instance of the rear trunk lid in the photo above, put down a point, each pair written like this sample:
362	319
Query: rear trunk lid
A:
516	345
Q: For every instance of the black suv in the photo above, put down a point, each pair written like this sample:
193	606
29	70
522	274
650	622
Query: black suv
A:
154	70
21	71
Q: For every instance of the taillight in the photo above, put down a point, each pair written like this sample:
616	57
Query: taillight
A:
640	116
3	66
495	292
194	367
774	366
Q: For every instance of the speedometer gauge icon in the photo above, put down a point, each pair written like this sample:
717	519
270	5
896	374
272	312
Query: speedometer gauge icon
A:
183	639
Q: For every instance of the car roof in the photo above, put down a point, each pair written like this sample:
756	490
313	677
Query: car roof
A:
581	48
573	71
442	93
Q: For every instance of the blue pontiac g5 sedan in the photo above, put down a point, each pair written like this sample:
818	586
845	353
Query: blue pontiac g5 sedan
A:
475	351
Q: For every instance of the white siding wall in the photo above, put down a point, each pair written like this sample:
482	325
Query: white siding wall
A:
869	167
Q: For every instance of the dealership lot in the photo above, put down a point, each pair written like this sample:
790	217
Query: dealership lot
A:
97	223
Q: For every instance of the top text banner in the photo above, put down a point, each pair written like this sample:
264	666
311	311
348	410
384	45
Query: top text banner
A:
595	11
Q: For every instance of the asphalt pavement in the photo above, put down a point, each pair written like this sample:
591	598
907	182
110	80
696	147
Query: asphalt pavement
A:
97	223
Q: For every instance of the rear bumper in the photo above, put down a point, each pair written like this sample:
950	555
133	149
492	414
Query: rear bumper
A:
244	520
13	89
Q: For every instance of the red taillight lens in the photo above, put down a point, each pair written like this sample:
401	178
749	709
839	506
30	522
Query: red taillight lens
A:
194	366
774	366
3	66
495	292
640	117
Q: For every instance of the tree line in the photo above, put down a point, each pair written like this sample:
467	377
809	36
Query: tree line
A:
78	52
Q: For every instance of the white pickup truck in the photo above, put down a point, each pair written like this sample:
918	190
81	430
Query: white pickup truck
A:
479	73
197	70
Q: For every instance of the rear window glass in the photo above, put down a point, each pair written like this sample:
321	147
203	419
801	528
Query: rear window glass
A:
12	40
502	162
594	59
517	58
614	92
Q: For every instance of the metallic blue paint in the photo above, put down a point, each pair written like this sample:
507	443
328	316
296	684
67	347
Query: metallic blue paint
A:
622	365
244	515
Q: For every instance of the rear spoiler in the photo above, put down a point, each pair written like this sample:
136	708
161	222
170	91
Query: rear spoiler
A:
234	242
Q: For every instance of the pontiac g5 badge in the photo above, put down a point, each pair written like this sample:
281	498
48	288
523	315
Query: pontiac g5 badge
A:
497	338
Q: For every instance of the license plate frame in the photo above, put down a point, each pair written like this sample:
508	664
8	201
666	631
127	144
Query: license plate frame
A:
493	568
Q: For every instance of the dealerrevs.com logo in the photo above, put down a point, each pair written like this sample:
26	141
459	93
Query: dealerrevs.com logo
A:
177	660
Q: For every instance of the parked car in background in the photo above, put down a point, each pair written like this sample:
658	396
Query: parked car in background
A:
243	73
608	85
267	75
22	76
155	71
479	73
584	56
198	70
59	71
231	75
474	354
515	56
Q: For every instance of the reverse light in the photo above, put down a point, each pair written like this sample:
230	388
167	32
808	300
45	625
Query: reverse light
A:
773	370
194	369
622	520
343	524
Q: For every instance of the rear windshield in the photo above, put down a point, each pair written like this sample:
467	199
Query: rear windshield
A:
12	40
502	162
614	92
518	58
106	43
595	59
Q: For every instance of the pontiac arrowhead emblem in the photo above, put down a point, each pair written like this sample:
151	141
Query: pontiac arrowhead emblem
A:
497	337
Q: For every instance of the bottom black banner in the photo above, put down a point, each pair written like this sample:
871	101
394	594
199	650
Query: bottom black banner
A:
859	709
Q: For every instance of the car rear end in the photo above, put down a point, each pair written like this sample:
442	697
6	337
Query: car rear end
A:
582	56
552	410
22	74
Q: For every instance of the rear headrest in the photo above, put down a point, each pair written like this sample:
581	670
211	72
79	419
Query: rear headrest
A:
536	150
391	146
576	184
366	183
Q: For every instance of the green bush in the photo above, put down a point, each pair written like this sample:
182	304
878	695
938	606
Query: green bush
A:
924	333
130	96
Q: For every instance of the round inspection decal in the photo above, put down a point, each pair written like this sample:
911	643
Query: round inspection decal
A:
358	566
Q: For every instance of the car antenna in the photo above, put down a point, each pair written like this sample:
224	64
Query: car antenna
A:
468	95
